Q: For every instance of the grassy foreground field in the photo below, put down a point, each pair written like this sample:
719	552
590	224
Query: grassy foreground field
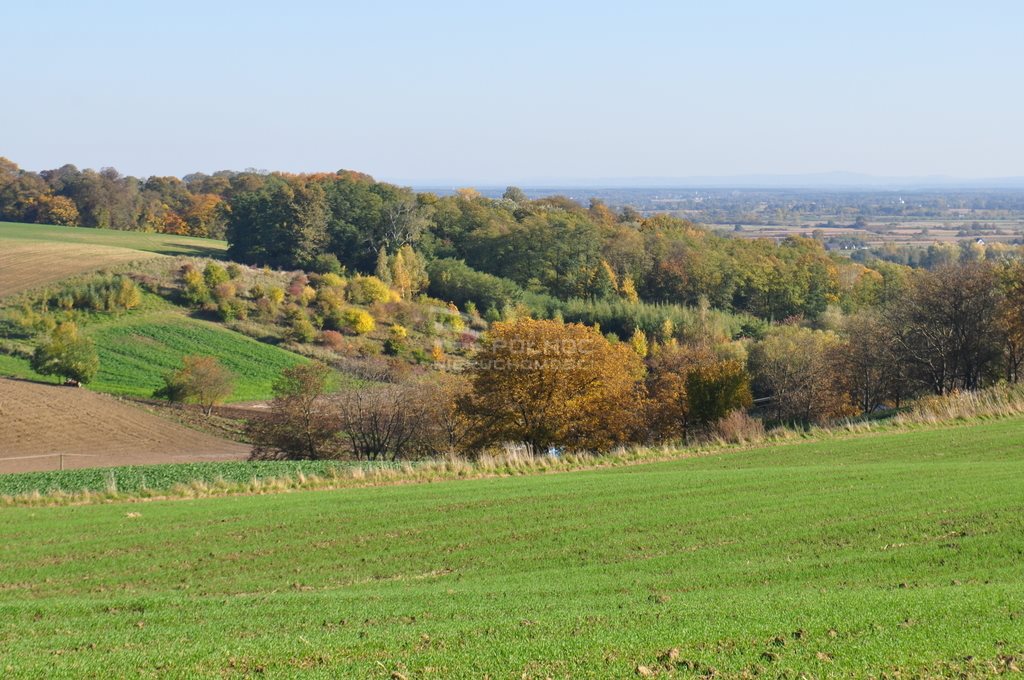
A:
859	557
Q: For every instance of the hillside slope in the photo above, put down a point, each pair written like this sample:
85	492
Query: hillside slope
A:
892	554
25	265
146	242
93	430
34	255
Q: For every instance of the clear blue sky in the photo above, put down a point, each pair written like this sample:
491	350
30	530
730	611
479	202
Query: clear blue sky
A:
478	92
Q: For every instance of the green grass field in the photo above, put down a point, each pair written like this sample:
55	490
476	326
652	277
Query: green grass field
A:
164	244
843	558
16	367
138	350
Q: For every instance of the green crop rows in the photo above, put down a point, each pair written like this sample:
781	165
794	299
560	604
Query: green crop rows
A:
137	352
134	478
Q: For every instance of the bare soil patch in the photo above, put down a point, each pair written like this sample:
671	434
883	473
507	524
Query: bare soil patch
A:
93	430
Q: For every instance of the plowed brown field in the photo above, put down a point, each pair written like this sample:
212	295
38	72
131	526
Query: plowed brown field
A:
40	422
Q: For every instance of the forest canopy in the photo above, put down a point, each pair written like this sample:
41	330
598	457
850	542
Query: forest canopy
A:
490	252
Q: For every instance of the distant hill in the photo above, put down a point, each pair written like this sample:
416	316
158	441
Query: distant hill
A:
823	180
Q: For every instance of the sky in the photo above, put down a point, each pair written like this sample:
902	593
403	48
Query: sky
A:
527	92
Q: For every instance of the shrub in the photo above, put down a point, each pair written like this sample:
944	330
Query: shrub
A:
365	290
266	309
395	343
99	294
127	296
224	291
357	321
454	322
275	295
215	274
331	280
330	298
231	309
333	340
202	380
327	263
306	295
67	354
300	329
196	291
297	284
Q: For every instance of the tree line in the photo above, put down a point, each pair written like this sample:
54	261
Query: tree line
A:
555	386
515	247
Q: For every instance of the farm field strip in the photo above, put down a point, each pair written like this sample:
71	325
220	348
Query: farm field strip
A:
156	478
92	430
139	349
27	265
163	244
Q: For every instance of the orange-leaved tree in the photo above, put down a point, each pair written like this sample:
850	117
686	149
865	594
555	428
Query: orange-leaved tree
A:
690	386
552	385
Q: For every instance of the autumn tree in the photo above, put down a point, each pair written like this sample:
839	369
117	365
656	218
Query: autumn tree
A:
944	328
302	423
553	385
66	353
872	373
408	272
383	269
57	210
1010	319
690	386
716	389
798	369
205	215
201	380
394	422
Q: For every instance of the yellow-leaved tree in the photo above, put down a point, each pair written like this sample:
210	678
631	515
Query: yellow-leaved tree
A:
551	385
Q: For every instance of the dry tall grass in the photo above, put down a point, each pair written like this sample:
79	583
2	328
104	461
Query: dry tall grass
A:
994	402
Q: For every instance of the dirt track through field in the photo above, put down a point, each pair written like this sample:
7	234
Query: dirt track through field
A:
24	266
93	430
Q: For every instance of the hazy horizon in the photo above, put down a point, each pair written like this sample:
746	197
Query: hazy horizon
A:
461	94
